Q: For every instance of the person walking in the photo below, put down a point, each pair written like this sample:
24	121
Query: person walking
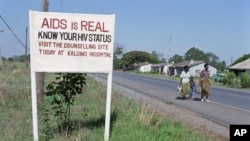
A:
192	88
185	82
124	68
205	83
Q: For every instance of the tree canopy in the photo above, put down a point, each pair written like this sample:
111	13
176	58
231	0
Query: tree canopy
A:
130	58
195	54
135	57
198	55
118	53
176	59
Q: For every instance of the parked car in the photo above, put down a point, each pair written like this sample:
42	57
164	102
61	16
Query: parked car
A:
218	77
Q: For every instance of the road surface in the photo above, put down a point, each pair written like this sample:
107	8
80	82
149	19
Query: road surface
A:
227	106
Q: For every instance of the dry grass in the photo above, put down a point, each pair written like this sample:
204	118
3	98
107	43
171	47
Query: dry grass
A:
188	119
147	114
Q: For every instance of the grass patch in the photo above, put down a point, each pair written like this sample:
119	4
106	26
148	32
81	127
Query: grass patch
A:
130	120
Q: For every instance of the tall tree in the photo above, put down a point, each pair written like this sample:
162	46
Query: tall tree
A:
195	54
176	59
221	66
157	55
135	57
118	52
212	59
23	58
154	53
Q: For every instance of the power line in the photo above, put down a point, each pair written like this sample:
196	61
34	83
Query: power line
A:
12	32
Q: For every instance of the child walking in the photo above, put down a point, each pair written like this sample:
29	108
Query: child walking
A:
192	88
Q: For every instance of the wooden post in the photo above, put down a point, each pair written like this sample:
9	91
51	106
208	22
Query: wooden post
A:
1	63
26	49
41	75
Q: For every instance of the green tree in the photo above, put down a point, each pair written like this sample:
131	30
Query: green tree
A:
135	57
10	59
176	59
244	80
157	55
212	58
198	55
221	66
231	80
23	58
118	52
61	94
195	54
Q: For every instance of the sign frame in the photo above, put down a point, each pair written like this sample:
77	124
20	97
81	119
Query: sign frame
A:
93	38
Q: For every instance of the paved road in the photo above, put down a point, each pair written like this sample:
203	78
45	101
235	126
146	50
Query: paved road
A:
227	106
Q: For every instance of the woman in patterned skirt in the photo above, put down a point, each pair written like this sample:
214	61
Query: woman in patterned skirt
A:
205	83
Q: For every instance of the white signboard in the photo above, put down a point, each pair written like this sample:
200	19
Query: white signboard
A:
65	42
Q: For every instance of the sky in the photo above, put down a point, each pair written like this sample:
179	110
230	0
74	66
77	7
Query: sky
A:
218	26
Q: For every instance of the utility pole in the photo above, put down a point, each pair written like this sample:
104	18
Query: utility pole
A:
1	63
168	52
45	6
167	59
26	48
41	75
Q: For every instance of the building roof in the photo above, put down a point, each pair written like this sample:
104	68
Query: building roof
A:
161	64
143	64
187	63
242	65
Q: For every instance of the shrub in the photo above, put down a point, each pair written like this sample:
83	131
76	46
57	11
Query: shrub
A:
231	80
61	95
244	80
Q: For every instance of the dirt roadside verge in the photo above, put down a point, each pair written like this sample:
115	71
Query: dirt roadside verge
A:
194	121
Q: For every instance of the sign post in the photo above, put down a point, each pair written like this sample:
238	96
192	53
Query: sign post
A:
66	42
108	108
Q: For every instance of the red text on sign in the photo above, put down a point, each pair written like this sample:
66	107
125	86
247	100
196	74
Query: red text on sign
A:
93	26
53	23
